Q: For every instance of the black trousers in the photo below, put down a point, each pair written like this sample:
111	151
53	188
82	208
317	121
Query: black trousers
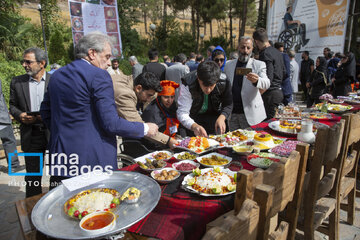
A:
32	164
272	99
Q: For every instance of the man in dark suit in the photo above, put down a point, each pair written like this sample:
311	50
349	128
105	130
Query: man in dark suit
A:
79	109
26	94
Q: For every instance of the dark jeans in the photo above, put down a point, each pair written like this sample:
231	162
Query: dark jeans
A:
272	99
311	101
305	89
32	164
9	144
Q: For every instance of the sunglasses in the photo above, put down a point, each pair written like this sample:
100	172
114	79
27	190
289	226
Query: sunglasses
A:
219	60
27	62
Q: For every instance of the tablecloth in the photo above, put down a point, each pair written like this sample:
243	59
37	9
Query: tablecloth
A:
183	215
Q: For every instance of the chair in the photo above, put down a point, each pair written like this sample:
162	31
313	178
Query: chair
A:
321	184
272	190
348	173
243	225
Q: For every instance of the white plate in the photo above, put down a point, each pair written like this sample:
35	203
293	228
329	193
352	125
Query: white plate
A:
276	127
191	175
214	154
186	161
167	152
143	160
176	155
212	144
165	181
261	161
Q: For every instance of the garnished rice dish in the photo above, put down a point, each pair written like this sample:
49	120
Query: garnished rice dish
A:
213	182
94	201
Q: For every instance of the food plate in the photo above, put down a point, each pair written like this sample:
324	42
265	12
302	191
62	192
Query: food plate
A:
243	149
263	160
162	155
185	166
185	156
165	175
197	145
143	160
80	204
224	177
320	116
233	138
215	157
335	108
336	101
275	125
48	215
285	148
352	101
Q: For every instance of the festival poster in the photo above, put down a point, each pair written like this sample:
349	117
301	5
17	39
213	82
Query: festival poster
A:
324	22
96	15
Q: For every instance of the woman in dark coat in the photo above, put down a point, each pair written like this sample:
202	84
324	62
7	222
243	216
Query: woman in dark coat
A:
317	81
162	111
345	75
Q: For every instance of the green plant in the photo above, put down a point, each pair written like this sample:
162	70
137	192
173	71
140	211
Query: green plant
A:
9	69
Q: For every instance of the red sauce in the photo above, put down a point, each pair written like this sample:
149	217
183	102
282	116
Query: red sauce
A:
98	221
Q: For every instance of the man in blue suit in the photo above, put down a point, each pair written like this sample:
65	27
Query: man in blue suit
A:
79	109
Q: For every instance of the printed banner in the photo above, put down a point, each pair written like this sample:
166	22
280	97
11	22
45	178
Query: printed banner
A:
322	24
96	15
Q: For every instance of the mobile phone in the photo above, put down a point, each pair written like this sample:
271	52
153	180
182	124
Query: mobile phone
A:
33	113
243	71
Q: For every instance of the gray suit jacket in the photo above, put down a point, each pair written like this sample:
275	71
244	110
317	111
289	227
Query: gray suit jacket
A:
176	71
250	95
136	70
4	112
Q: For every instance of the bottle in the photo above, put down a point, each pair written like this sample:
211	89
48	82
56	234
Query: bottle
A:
324	107
306	134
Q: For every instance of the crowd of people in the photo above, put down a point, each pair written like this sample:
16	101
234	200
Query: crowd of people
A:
81	107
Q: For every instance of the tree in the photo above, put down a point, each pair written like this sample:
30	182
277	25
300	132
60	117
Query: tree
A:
57	51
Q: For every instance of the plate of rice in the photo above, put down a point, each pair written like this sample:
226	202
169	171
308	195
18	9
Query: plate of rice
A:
210	182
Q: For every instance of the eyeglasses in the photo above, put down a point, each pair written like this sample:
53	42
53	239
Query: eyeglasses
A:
219	60
27	62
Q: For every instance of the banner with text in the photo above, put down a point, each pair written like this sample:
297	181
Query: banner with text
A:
96	15
322	24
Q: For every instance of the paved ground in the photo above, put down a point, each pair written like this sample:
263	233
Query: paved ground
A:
10	193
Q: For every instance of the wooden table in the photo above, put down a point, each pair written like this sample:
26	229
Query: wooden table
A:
24	208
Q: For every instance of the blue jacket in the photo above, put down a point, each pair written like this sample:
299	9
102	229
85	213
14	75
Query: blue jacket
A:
79	109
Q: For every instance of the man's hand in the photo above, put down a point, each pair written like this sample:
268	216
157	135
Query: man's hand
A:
172	143
333	80
252	77
153	129
220	125
198	130
308	85
27	119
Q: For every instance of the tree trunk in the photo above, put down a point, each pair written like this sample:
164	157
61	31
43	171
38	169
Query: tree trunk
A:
193	21
197	30
204	28
243	22
260	20
145	19
230	17
164	15
210	29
